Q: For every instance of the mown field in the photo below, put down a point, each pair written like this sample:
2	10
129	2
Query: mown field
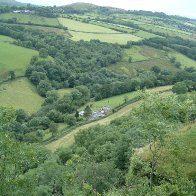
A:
17	62
28	18
143	57
184	60
62	92
80	30
20	93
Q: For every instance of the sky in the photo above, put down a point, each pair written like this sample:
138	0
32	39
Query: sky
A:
174	7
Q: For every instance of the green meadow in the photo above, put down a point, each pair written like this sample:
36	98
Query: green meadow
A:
28	18
118	100
143	57
20	93
184	60
17	62
62	92
84	31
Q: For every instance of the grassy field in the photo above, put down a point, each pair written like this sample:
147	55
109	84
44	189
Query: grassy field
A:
145	34
170	32
143	57
62	92
80	30
28	18
20	93
148	23
118	100
49	29
183	141
84	27
67	140
17	62
184	60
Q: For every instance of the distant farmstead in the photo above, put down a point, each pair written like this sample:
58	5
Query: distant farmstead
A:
24	11
97	114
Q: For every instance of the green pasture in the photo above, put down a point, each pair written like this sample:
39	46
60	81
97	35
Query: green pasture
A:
84	31
84	27
118	100
49	30
20	93
144	34
110	38
62	92
170	32
13	58
184	60
143	57
29	18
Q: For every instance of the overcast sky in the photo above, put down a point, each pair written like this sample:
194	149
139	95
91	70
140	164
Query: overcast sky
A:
175	7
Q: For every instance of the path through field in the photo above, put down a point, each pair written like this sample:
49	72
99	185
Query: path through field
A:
68	139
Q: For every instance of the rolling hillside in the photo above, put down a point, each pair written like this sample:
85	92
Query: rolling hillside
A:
80	30
10	62
20	94
11	3
30	19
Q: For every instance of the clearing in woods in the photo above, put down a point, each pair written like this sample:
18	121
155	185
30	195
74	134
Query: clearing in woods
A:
20	93
17	62
143	58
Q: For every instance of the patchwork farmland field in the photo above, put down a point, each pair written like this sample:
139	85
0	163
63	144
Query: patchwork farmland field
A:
10	62
118	100
80	30
20	93
28	18
184	60
49	29
143	57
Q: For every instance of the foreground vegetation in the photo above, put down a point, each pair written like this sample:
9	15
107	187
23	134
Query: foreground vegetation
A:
81	169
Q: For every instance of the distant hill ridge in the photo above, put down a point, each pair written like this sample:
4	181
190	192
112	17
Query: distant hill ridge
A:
91	7
11	3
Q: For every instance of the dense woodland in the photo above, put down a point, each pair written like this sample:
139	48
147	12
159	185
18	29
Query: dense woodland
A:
123	158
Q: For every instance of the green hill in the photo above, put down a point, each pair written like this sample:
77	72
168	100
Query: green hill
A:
11	3
30	19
